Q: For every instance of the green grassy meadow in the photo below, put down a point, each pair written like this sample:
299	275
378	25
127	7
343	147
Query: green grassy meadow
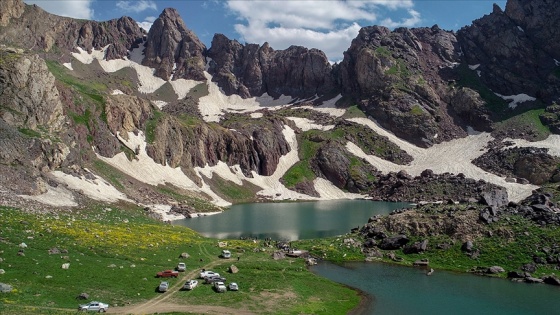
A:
114	255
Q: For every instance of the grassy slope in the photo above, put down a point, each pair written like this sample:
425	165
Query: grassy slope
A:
114	255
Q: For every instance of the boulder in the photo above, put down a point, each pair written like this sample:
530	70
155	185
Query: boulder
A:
394	242
5	288
233	269
495	270
277	255
467	246
551	279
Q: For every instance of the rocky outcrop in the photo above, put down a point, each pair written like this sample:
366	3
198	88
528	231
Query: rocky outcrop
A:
428	187
10	9
173	50
530	164
251	70
254	147
335	163
36	29
516	49
401	79
28	98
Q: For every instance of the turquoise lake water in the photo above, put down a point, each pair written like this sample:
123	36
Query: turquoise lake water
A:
394	290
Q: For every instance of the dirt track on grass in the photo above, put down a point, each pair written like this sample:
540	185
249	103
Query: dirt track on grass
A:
161	304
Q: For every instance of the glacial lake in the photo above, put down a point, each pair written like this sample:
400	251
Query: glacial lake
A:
289	221
397	290
393	289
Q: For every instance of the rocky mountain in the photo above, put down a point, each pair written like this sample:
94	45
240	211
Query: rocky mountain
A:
159	118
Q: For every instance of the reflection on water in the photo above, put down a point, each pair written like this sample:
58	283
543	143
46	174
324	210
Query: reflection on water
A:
290	221
407	290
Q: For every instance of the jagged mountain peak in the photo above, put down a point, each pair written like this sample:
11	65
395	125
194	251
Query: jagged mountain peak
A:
174	50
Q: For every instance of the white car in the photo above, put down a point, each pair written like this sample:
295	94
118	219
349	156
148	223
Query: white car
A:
220	287
233	286
181	266
208	273
94	306
190	284
226	253
163	286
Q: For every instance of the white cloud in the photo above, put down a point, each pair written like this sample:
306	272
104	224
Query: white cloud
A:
79	9
326	25
147	23
136	6
413	20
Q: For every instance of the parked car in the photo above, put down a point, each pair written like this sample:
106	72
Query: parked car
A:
167	274
220	287
208	273
94	306
181	266
214	279
233	286
163	286
226	254
190	284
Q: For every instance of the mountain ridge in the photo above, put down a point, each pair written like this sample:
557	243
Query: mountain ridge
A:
233	107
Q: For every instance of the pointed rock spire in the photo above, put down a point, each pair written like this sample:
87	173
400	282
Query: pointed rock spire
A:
173	50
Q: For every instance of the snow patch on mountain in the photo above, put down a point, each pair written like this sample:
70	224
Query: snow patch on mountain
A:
516	99
454	157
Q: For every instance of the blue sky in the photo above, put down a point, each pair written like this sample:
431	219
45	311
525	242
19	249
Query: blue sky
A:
329	25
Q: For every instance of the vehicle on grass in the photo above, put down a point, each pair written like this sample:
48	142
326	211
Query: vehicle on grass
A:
190	284
208	273
181	266
163	286
214	279
220	287
94	306
225	254
233	286
167	274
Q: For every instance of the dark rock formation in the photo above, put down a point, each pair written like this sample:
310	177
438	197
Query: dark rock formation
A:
251	70
173	50
428	187
401	79
516	48
532	164
36	29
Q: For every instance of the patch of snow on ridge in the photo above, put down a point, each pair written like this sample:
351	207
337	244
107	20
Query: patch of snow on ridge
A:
148	82
306	124
96	188
474	67
117	92
557	62
68	65
159	104
146	170
256	115
213	106
516	99
454	156
182	86
552	143
137	54
520	28
87	58
55	196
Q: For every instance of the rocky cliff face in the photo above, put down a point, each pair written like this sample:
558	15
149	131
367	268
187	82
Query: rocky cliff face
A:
28	97
36	29
401	78
173	50
516	49
251	70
